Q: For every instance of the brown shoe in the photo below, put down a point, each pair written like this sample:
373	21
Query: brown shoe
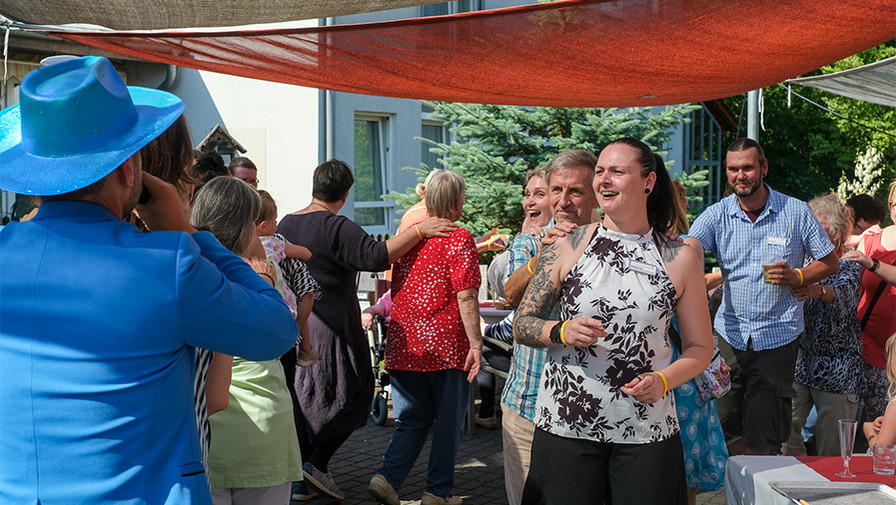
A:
382	491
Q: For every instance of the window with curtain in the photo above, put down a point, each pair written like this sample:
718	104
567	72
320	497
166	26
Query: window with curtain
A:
370	171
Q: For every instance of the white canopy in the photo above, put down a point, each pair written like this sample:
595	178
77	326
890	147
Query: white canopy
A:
875	82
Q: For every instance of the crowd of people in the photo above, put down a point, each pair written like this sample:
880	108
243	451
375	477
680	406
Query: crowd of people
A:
162	329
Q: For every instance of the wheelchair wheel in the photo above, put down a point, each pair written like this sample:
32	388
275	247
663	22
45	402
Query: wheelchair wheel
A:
379	409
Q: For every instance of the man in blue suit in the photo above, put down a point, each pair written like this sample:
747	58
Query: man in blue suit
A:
97	320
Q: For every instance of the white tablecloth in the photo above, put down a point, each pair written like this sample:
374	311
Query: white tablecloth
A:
747	478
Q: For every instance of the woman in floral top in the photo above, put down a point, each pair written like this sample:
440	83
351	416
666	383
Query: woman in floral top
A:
606	426
433	349
829	366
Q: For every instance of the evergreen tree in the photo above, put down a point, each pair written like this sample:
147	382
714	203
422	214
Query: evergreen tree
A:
495	145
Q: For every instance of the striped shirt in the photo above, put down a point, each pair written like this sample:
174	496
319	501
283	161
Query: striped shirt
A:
521	387
752	310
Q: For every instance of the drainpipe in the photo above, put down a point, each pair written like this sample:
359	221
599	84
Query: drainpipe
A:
753	114
170	78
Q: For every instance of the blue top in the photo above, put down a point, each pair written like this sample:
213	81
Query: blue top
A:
96	328
751	308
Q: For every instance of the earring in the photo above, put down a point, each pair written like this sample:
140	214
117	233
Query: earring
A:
646	191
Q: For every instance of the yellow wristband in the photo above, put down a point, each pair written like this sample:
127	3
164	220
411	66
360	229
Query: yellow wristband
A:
562	333
529	265
419	235
802	279
665	383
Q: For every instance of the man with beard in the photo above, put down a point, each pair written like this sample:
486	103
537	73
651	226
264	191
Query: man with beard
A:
761	239
99	321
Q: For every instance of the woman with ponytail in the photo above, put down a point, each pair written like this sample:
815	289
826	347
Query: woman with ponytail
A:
606	429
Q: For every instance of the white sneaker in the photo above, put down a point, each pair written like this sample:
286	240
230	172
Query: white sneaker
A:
431	499
382	491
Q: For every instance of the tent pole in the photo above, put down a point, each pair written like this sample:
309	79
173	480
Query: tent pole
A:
753	114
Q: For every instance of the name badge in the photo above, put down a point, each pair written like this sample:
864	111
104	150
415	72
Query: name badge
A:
777	241
643	268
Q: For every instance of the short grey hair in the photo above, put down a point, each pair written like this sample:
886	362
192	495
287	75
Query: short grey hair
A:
570	158
443	191
838	215
227	207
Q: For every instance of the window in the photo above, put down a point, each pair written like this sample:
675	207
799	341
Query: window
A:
371	173
445	8
435	132
704	151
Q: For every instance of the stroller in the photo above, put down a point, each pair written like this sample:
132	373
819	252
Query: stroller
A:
376	337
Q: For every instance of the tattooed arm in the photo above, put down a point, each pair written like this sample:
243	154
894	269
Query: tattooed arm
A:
531	325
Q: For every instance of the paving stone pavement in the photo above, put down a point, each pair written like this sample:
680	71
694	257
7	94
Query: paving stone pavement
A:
479	470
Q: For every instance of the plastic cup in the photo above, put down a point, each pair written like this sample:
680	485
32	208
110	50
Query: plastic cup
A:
884	458
769	258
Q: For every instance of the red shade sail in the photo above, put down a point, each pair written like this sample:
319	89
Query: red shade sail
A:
565	53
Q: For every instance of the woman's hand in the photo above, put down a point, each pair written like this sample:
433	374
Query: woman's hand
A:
367	320
583	332
807	292
858	257
473	363
435	227
559	230
646	388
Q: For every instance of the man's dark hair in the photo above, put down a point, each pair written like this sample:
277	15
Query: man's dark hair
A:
868	208
207	167
332	180
743	144
241	161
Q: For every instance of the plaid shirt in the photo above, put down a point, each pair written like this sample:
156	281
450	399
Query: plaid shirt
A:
767	314
521	387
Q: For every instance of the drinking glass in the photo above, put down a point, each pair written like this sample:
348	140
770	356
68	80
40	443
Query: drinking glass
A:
847	428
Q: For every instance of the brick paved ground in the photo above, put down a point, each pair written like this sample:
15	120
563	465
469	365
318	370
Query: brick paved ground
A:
479	474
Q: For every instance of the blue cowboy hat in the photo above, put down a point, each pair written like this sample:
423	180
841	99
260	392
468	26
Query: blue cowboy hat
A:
75	123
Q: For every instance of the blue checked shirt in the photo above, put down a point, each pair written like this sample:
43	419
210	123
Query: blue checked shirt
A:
521	387
768	314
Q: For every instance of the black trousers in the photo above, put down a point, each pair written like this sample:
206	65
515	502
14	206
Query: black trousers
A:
568	471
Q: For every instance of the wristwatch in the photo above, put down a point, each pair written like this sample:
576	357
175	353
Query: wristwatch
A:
875	264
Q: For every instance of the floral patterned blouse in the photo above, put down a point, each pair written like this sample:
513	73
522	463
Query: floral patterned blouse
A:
426	332
621	281
830	356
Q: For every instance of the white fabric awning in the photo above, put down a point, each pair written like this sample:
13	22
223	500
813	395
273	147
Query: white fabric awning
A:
875	82
155	15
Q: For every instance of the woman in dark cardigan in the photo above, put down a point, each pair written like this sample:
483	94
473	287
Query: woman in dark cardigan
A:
334	396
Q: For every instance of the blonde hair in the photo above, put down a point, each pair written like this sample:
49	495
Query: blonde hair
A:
443	191
838	215
890	347
421	187
892	192
268	207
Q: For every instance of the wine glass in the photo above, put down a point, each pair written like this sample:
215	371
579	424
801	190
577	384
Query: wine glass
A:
847	429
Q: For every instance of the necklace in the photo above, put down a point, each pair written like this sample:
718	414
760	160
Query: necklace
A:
321	206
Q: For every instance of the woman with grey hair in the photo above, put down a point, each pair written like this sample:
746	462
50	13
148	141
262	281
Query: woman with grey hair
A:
254	455
829	366
433	349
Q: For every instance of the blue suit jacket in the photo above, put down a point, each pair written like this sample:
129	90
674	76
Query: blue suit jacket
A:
96	368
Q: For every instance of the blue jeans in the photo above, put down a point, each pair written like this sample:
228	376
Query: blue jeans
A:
418	400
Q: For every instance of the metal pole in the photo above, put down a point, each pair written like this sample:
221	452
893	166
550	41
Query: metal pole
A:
753	114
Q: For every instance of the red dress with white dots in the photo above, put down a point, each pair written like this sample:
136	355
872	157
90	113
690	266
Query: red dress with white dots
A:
426	332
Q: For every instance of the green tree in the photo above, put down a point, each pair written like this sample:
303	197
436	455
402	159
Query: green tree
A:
495	145
810	150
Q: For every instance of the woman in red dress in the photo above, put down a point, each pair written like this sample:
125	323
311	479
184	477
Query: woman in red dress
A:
433	349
